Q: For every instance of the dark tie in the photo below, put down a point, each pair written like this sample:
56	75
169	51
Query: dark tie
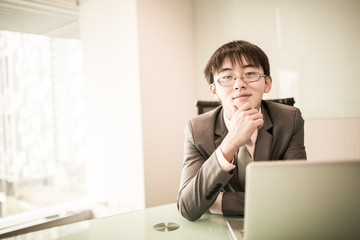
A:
243	158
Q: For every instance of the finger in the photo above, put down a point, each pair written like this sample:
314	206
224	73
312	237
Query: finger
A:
233	109
259	123
246	106
253	117
251	114
257	115
253	111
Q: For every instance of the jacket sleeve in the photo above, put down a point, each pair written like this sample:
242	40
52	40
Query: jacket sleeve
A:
233	203
201	179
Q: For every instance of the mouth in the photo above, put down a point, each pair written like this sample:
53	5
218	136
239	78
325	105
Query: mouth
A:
241	95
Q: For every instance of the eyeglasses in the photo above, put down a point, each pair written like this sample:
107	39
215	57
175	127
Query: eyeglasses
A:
248	77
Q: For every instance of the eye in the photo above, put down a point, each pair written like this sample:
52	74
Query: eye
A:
251	74
226	78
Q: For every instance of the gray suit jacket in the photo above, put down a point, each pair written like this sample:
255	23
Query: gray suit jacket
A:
280	138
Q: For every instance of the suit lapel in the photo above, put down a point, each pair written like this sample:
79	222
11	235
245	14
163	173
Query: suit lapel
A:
264	138
220	129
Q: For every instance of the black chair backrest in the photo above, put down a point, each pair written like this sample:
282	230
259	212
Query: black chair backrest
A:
204	106
287	101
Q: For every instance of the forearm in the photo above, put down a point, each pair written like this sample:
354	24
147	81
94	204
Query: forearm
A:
233	203
198	194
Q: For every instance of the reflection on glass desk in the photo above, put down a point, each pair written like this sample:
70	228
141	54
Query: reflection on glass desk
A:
162	222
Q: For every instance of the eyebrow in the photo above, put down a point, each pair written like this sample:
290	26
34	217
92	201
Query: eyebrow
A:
249	66
230	69
225	69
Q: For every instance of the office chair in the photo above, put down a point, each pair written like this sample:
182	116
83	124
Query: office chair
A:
204	106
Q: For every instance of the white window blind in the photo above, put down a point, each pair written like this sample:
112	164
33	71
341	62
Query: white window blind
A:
58	18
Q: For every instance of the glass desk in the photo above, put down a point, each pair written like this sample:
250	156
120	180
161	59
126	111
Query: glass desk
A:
139	225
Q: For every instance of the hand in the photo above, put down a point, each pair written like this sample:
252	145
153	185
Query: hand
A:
244	121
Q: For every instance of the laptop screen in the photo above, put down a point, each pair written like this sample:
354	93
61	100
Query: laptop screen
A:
302	200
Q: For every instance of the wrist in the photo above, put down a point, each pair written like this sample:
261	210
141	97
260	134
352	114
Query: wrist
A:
228	150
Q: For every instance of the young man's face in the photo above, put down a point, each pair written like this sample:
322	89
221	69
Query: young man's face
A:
240	92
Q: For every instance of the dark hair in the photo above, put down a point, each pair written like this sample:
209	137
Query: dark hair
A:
235	50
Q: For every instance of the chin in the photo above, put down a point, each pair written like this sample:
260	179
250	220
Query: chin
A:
239	103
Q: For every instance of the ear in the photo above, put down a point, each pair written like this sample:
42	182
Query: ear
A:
268	83
212	89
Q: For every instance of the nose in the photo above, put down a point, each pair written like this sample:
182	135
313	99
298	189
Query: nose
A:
240	84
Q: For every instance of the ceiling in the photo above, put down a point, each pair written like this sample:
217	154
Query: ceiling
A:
58	18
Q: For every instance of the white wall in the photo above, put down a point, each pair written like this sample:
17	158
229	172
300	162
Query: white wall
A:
166	44
139	75
113	107
313	47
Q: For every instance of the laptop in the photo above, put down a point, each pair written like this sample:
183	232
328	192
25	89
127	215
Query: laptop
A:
300	200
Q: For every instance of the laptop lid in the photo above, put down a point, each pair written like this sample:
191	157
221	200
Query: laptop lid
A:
302	200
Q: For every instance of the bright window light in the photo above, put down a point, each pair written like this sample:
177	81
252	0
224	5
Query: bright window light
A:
42	143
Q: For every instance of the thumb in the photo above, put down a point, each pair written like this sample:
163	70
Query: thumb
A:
233	109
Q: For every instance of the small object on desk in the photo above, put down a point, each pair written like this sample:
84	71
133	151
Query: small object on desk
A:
166	227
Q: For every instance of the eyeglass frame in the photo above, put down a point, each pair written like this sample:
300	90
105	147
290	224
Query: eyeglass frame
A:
241	77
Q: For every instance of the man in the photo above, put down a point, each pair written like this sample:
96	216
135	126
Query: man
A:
220	143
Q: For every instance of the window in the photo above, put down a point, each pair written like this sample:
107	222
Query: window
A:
42	143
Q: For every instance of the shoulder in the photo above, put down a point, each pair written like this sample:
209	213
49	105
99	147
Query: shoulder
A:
203	125
279	109
281	114
206	118
274	106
